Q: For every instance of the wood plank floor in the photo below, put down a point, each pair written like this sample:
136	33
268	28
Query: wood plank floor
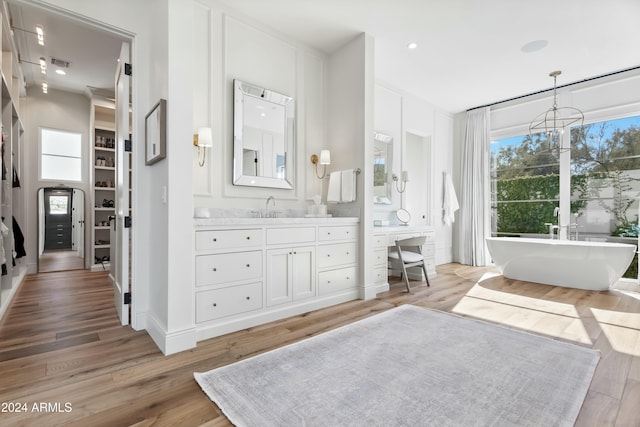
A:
59	260
65	357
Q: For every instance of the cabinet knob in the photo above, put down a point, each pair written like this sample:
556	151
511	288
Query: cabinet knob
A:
328	255
347	253
248	265
328	281
248	298
294	252
248	237
214	269
347	277
215	240
214	304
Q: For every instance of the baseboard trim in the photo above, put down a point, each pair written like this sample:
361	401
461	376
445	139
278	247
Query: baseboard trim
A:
170	342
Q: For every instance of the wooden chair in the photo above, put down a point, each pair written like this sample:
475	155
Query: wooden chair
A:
408	253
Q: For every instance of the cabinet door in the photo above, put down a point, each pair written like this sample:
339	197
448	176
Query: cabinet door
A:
279	289
303	273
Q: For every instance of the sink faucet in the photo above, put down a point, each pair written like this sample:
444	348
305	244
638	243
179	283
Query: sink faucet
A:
273	202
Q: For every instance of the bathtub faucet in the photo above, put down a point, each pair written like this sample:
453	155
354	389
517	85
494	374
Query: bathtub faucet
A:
552	228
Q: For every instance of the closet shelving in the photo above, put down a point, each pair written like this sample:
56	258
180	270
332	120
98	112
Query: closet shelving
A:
11	198
103	181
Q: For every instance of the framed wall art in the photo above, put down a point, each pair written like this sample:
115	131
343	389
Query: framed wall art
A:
155	130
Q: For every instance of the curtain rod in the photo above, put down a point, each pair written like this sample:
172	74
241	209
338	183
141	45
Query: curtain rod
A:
558	87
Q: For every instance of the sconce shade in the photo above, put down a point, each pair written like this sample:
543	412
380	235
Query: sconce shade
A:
205	138
325	157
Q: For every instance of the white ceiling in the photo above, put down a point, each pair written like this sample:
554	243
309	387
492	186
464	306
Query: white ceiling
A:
469	51
91	52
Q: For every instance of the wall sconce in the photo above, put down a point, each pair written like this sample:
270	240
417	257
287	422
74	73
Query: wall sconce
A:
324	160
405	179
203	139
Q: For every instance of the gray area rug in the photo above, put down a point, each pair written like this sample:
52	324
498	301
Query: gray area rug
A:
408	366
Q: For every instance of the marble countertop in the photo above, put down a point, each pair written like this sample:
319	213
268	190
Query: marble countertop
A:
204	222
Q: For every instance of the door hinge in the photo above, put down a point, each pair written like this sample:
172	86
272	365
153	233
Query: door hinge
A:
127	145
127	222
127	298
127	69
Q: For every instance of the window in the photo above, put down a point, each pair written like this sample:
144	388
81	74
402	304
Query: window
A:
58	205
524	184
603	173
60	155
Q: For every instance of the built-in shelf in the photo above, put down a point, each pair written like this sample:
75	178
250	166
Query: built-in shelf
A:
103	133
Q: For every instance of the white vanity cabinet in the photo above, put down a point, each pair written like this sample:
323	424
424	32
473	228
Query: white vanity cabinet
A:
384	238
380	259
337	259
290	274
225	261
253	271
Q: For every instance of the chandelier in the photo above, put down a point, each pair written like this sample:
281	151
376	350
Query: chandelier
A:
553	121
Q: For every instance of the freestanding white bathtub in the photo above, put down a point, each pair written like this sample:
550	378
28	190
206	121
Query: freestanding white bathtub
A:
574	264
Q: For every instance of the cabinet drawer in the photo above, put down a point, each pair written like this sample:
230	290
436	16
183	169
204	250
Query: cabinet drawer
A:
402	236
228	239
279	236
336	280
380	275
221	268
339	232
380	241
228	301
380	256
340	254
429	250
430	237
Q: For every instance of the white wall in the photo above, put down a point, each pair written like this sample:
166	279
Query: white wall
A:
230	46
349	131
55	110
399	113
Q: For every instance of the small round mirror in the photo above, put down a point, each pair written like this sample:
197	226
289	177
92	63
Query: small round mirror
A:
403	216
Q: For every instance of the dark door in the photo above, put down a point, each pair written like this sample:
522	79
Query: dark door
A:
57	219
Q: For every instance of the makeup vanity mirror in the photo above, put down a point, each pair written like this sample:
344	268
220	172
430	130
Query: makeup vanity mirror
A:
60	229
263	137
382	162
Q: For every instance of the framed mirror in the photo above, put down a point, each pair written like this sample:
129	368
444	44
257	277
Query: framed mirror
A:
382	162
263	137
61	229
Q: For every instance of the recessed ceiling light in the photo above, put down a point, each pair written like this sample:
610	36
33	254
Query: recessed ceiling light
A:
534	46
412	45
61	72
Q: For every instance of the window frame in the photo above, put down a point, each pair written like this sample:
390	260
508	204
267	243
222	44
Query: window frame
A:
81	158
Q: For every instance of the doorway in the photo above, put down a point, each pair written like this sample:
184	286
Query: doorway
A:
61	229
81	55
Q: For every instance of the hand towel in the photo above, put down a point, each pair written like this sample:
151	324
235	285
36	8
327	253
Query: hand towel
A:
333	193
450	203
348	190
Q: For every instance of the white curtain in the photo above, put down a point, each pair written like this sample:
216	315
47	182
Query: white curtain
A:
475	209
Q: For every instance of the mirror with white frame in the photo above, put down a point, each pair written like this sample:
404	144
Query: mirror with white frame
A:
382	162
263	137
